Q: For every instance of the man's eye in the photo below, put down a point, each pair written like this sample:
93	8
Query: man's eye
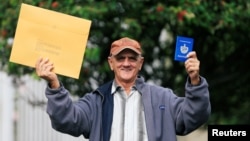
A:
122	58
119	58
132	58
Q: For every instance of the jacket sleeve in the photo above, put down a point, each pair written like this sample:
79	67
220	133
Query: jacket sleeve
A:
66	116
194	109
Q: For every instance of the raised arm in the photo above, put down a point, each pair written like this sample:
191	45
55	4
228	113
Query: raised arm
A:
44	69
192	65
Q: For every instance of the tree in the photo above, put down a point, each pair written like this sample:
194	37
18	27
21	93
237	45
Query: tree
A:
219	28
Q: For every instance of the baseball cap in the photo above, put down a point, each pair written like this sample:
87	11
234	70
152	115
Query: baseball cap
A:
125	43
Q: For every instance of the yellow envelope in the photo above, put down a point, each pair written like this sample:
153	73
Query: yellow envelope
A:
44	33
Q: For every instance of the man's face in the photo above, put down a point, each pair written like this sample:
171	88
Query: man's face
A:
126	65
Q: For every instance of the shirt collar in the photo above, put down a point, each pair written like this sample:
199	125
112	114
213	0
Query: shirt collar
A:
116	87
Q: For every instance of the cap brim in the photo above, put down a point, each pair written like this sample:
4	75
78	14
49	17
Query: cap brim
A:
127	47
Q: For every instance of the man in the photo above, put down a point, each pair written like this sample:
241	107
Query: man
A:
127	108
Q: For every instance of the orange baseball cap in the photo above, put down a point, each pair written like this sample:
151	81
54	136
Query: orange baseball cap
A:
125	43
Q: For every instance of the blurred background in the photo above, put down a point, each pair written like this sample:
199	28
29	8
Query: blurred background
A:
221	33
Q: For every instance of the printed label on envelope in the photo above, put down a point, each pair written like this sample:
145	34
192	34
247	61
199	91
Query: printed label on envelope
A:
49	34
184	45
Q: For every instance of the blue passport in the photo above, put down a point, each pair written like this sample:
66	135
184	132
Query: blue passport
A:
184	45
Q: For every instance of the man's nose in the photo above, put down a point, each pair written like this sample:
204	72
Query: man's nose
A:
126	62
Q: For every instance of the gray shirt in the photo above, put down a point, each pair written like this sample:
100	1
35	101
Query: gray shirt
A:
128	118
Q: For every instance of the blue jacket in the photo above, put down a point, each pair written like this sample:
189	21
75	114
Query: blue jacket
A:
166	114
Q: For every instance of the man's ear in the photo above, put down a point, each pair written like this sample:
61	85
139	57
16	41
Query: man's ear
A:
110	63
142	61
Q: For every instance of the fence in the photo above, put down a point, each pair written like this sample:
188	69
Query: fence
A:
6	108
22	112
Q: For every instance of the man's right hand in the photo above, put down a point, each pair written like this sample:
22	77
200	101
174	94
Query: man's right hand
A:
44	69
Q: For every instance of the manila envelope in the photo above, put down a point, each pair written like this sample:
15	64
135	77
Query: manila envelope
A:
44	33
